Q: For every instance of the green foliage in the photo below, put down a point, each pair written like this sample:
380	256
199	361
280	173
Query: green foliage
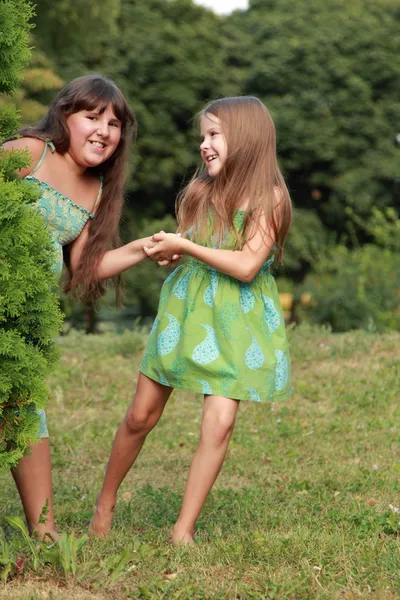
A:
9	121
29	313
170	57
327	71
39	82
7	561
306	240
309	489
178	63
383	227
75	32
25	552
355	289
15	16
20	526
69	549
29	316
127	344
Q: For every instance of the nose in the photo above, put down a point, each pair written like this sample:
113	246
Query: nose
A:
102	127
204	144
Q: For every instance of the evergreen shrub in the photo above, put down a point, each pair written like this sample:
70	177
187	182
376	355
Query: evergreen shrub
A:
29	313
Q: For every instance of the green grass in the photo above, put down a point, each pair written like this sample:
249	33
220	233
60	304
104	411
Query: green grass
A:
300	510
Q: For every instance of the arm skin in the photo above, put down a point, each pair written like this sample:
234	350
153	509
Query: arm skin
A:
113	262
241	264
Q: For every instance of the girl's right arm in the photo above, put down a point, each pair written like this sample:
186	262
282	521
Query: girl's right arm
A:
33	145
112	262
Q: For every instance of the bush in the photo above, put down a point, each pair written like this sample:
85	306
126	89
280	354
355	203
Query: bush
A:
29	313
307	239
355	289
14	41
383	227
29	318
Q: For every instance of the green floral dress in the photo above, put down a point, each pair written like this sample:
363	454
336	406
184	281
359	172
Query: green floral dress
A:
214	334
64	220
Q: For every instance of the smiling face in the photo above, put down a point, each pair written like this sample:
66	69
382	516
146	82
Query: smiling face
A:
214	149
94	136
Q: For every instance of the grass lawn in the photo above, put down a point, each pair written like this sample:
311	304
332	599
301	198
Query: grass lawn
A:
301	509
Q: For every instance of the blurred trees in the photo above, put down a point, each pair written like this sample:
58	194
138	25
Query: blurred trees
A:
354	289
76	33
38	85
327	70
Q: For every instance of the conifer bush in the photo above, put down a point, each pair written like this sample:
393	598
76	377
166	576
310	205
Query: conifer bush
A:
29	314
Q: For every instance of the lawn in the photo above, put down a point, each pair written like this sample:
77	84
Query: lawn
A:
304	508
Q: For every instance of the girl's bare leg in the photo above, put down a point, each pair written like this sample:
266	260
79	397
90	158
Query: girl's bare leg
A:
142	415
33	478
219	415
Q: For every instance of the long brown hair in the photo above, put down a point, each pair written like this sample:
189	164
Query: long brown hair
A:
92	92
250	174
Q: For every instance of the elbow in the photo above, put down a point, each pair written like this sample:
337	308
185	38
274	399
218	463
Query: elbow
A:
247	276
246	268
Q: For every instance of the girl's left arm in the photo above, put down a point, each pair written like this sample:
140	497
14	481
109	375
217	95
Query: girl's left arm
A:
241	264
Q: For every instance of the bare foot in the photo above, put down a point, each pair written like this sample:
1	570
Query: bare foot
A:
100	523
180	537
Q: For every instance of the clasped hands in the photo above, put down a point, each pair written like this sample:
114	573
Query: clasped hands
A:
167	248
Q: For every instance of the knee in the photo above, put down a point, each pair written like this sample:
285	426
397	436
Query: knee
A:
140	421
217	428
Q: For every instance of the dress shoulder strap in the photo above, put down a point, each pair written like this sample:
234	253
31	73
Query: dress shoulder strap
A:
47	144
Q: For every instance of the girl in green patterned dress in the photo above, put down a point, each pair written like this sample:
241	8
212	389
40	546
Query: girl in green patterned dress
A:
219	329
79	154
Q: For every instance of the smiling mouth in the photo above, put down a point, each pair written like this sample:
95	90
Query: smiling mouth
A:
211	158
97	144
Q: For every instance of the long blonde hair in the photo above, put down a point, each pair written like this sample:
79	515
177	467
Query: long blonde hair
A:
250	174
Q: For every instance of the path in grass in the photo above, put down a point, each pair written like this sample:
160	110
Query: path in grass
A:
300	510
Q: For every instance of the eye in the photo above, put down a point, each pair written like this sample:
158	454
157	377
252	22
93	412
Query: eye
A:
91	117
115	124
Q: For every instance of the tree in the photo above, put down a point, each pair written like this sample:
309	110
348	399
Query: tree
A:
76	33
170	57
29	314
37	81
328	70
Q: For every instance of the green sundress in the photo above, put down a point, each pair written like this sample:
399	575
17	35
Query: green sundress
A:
64	220
214	334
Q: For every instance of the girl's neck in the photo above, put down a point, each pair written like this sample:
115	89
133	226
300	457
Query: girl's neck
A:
73	167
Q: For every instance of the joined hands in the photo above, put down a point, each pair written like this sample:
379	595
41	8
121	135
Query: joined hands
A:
167	248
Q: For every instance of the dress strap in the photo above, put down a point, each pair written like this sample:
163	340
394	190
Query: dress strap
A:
47	144
100	192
